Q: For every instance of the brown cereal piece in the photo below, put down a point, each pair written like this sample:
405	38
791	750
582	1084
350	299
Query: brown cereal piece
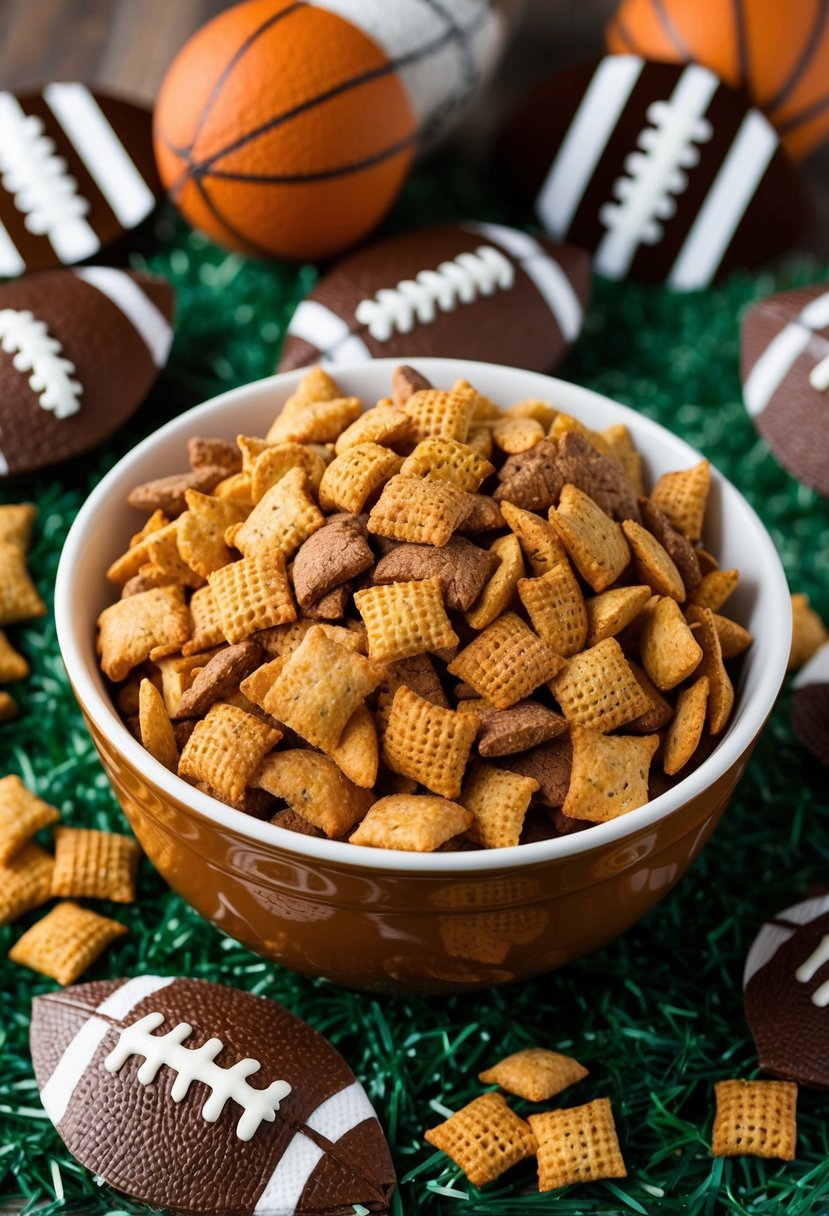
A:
439	413
19	598
418	510
332	606
485	1138
461	568
535	1073
659	711
284	639
443	459
531	407
257	803
594	541
146	582
734	639
16	523
506	662
165	560
564	424
214	454
132	630
479	440
555	606
670	652
182	732
415	823
220	677
600	477
291	822
281	520
755	1119
271	465
531	479
683	496
550	765
808	632
720	688
205	625
714	589
501	587
537	538
680	550
484	514
578	1144
155	727
177	674
201	531
317	422
226	749
428	743
351	478
22	814
335	553
652	562
406	381
405	619
623	450
167	494
597	688
252	594
358	752
707	561
417	673
498	800
66	942
12	665
684	733
503	732
25	882
609	775
514	435
314	787
612	611
387	425
95	865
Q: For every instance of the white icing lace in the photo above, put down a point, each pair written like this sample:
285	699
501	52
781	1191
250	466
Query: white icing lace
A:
198	1064
31	171
819	376
461	281
36	351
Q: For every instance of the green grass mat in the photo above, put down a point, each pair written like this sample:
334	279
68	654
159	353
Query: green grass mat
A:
657	1017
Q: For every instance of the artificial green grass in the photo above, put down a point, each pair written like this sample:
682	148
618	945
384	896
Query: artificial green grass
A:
657	1017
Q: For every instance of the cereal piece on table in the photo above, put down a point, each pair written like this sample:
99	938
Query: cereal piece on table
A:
531	407
12	665
623	450
442	459
25	882
22	814
566	424
131	630
612	611
201	531
316	422
498	800
808	632
333	555
594	541
535	1073
406	381
680	550
484	514
384	424
315	788
683	497
598	689
252	594
530	479
755	1119
461	567
220	677
578	1144
609	775
652	563
734	638
16	522
504	732
498	592
95	865
506	662
659	711
513	435
550	765
538	539
66	942
485	1138
19	598
600	477
357	754
670	652
282	519
9	708
226	749
685	732
555	605
271	465
214	453
720	688
405	619
352	477
418	510
167	493
434	412
428	743
157	733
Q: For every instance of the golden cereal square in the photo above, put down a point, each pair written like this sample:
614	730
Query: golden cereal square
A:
577	1144
720	688
12	665
66	942
685	731
95	865
358	752
555	605
316	421
594	541
19	598
499	590
485	1138
272	463
16	522
445	414
506	662
535	1073
428	743
226	749
447	460
25	882
284	517
156	729
669	651
205	626
756	1119
130	630
498	799
22	814
609	776
404	619
652	562
201	531
387	425
683	496
538	539
514	435
353	477
611	611
418	823
419	510
252	594
598	689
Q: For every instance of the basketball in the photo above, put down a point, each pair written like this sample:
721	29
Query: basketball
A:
777	52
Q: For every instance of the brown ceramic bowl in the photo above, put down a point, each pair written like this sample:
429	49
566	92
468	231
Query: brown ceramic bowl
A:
385	920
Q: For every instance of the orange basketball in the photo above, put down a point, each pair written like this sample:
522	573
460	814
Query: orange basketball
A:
283	130
777	51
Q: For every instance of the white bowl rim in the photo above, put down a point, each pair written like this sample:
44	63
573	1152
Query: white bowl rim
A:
338	853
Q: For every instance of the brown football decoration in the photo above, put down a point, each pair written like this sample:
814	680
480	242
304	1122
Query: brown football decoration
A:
810	705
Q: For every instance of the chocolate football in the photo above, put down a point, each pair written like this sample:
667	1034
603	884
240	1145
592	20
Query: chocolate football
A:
467	291
810	704
786	982
785	370
79	351
200	1098
660	169
76	173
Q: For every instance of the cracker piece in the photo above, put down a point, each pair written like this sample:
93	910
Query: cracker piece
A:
201	531
597	688
594	541
428	743
414	823
498	800
578	1144
808	632
291	822
164	558
439	413
154	523
358	752
535	1073
220	677
485	1138
271	465
252	594
132	630
755	1119
461	568
19	598
177	674
315	385
387	425
531	479
680	550
282	519
531	407
623	450
612	611
443	459
226	749
214	454
332	606
146	582
550	765
707	561
156	729
683	497
734	639
95	865
564	424
406	381
484	514
236	489
715	588
405	619
251	448
167	494
352	477
25	882
513	435
652	563
670	652
479	440
720	688
417	673
284	639
316	422
503	732
483	409
601	478
258	684
537	538
12	665
205	625
66	942
555	606
609	775
22	814
684	733
506	662
137	555
16	523
659	711
316	789
498	593
418	510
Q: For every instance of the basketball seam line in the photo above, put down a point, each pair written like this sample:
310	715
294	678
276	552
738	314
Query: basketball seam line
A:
810	112
231	228
624	33
743	59
807	54
668	25
319	175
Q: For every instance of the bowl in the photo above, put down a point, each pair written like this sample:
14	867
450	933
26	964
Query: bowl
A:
385	920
